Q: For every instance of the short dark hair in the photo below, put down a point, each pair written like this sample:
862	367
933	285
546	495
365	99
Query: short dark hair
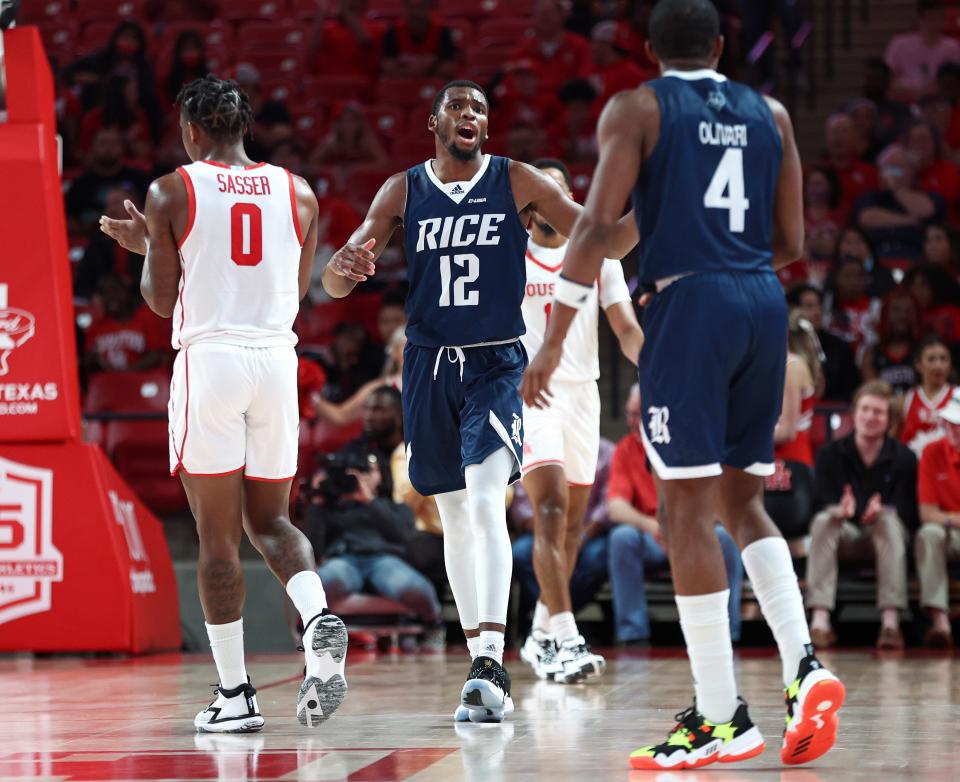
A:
684	29
391	395
795	294
552	162
442	93
219	106
929	341
394	297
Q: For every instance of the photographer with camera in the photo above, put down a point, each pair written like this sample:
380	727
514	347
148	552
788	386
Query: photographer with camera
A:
361	537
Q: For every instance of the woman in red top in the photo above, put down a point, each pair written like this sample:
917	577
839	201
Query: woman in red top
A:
891	359
939	296
920	422
120	109
802	387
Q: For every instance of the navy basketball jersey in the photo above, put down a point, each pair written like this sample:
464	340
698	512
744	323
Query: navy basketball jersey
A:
704	199
465	248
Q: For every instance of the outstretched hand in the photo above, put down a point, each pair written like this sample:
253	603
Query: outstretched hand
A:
354	261
129	234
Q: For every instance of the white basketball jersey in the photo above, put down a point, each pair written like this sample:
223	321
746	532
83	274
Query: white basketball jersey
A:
239	257
580	361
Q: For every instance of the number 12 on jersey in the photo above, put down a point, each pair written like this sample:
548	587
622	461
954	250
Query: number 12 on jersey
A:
726	190
460	296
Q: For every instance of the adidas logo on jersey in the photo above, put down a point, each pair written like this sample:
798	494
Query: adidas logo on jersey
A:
457	190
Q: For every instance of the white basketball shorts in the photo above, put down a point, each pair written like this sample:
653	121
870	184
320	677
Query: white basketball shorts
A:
234	408
567	433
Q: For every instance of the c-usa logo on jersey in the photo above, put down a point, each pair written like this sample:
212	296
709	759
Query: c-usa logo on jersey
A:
515	429
717	101
659	431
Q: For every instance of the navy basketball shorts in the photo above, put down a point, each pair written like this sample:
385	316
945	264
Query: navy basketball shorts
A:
459	406
711	374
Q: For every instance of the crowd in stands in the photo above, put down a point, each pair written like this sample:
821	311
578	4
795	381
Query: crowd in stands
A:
340	91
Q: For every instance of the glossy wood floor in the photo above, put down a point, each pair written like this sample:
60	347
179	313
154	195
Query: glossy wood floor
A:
75	719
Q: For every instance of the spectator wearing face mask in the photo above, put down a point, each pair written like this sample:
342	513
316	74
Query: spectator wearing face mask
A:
189	63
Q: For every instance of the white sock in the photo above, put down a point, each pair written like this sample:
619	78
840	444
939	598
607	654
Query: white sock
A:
770	570
459	553
491	645
705	621
541	618
487	500
226	643
473	646
306	592
563	626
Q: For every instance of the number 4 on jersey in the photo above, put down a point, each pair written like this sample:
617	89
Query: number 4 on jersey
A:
726	190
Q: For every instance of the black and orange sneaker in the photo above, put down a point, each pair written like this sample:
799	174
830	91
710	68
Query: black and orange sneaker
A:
695	742
813	699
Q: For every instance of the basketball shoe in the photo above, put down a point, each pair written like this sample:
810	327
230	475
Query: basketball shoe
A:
695	742
578	662
231	711
540	653
813	699
325	684
487	691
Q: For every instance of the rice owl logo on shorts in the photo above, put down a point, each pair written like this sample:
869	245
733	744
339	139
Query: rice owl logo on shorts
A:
29	562
16	327
515	430
659	431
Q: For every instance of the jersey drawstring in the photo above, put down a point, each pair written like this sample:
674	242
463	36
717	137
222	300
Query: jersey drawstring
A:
454	355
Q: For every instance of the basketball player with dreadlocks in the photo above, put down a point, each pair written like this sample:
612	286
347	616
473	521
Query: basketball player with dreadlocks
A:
229	247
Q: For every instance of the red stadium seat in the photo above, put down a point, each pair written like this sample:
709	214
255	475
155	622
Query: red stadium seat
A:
140	452
110	9
386	9
951	21
310	124
582	176
128	392
308	9
363	185
330	89
41	11
328	438
96	35
274	63
60	38
503	32
462	31
388	120
414	148
242	10
271	35
486	9
407	92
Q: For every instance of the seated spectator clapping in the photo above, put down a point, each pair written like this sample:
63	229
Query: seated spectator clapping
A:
938	540
865	488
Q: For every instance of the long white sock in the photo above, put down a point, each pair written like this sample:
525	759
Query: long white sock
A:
705	621
306	592
770	570
487	499
541	618
226	643
473	646
459	554
491	645
563	627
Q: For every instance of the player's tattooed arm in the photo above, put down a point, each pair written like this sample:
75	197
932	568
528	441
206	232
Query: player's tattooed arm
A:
356	260
165	218
308	216
787	239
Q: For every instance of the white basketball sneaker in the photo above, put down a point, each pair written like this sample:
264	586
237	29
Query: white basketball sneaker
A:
231	711
325	683
540	653
578	662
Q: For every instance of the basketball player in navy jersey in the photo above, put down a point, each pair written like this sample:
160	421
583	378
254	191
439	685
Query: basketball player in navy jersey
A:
464	217
715	178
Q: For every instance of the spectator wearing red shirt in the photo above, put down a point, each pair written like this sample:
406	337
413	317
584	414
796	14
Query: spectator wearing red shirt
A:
558	55
189	63
920	422
573	135
938	493
347	43
849	312
520	99
923	144
129	337
419	44
856	177
119	109
612	71
916	57
636	544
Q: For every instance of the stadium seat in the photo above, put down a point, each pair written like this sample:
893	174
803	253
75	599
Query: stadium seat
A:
310	124
40	11
407	92
462	31
128	392
330	89
486	9
503	32
414	149
95	35
389	121
581	176
140	452
243	10
386	9
272	35
363	185
60	38
308	9
276	64
951	21
88	10
328	438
